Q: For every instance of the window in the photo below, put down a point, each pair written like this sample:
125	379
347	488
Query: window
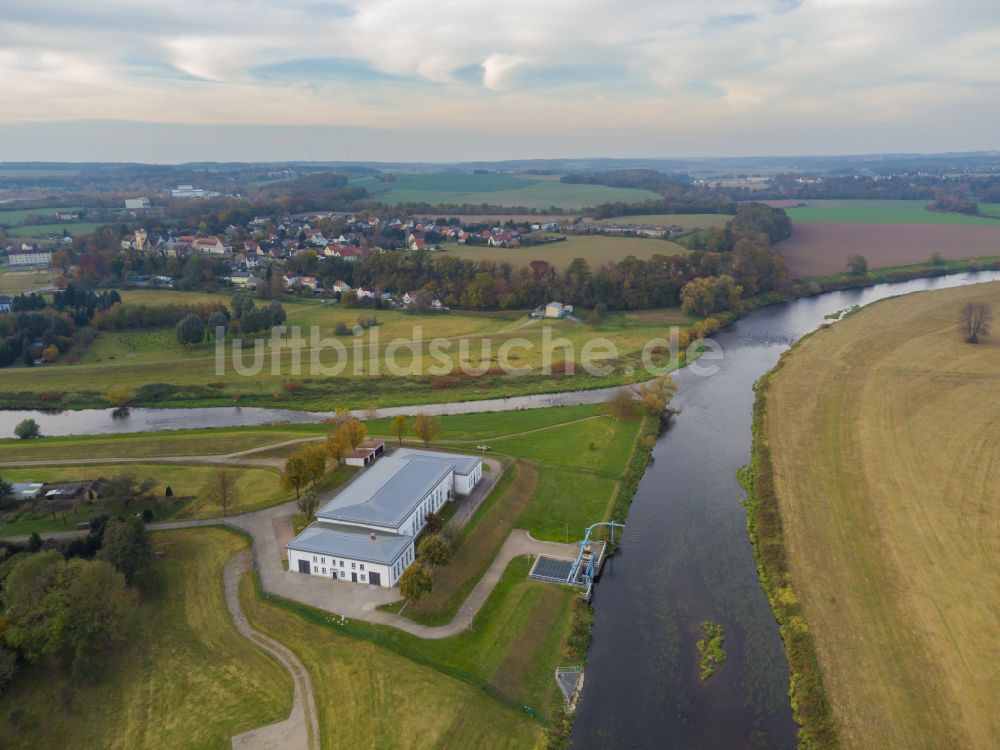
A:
315	569
314	558
323	560
324	571
353	566
362	576
362	566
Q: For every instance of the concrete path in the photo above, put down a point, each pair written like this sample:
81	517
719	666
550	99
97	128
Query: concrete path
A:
300	731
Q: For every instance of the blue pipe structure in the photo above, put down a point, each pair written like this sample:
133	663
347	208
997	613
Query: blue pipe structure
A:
588	574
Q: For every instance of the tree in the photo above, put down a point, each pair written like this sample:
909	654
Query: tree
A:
426	427
353	431
655	395
434	550
296	474
216	320
974	321
98	609
400	424
127	547
30	594
315	460
125	489
335	446
190	330
857	264
118	396
307	505
709	294
27	429
224	489
433	523
621	404
416	581
8	666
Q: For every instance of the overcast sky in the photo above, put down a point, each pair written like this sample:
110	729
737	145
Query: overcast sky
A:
476	79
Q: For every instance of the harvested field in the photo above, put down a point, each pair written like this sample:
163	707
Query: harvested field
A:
821	248
884	448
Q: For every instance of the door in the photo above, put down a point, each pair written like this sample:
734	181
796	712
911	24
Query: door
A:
375	579
354	577
303	566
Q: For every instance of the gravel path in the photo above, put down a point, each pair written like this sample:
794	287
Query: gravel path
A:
300	731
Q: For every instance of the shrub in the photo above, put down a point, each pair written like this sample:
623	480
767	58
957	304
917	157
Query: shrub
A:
27	429
434	550
341	329
49	397
416	581
293	387
433	523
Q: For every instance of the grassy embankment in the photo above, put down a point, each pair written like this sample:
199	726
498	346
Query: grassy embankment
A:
872	513
184	678
161	372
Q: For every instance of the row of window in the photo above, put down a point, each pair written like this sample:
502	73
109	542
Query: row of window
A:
335	574
322	560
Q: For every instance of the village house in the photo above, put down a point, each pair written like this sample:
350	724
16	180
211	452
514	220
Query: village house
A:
210	245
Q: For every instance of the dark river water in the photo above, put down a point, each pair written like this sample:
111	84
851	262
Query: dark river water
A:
685	558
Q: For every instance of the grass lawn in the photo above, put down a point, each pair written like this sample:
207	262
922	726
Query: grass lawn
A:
883	438
75	228
17	282
258	488
186	678
688	221
366	378
596	249
486	425
12	216
511	652
879	212
565	503
990	209
495	190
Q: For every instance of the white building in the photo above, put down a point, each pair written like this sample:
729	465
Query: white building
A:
137	203
366	533
24	259
558	310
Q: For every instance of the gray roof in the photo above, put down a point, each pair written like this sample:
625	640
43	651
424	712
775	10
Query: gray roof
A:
386	493
461	463
350	542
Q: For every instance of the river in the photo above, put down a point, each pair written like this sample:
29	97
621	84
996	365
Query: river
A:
685	558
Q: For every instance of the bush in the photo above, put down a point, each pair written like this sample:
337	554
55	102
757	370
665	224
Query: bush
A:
49	397
434	523
434	550
293	387
341	329
416	581
27	429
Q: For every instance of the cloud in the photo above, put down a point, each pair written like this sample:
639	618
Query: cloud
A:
682	68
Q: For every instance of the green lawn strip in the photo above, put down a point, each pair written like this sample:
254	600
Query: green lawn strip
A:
171	443
258	488
565	503
476	547
184	678
473	655
492	425
879	212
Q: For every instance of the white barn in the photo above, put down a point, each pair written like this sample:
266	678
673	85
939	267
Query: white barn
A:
366	533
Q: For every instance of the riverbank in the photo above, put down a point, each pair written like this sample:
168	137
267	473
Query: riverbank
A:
874	520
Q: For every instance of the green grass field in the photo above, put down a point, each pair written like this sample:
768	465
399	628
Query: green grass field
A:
12	216
879	212
883	439
185	678
990	209
34	231
495	190
18	282
595	249
687	221
138	358
258	488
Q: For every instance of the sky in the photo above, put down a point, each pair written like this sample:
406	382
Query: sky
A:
453	80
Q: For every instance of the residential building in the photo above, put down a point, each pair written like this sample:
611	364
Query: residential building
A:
32	258
137	203
5	303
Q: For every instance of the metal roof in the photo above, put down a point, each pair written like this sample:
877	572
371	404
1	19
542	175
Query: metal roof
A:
351	542
386	493
462	464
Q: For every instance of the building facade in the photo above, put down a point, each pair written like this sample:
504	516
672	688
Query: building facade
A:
366	533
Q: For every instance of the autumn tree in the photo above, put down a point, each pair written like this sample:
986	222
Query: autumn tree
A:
426	427
118	396
654	395
314	457
335	447
308	504
434	550
416	581
974	321
296	474
224	489
190	330
400	424
711	294
128	548
353	431
621	404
